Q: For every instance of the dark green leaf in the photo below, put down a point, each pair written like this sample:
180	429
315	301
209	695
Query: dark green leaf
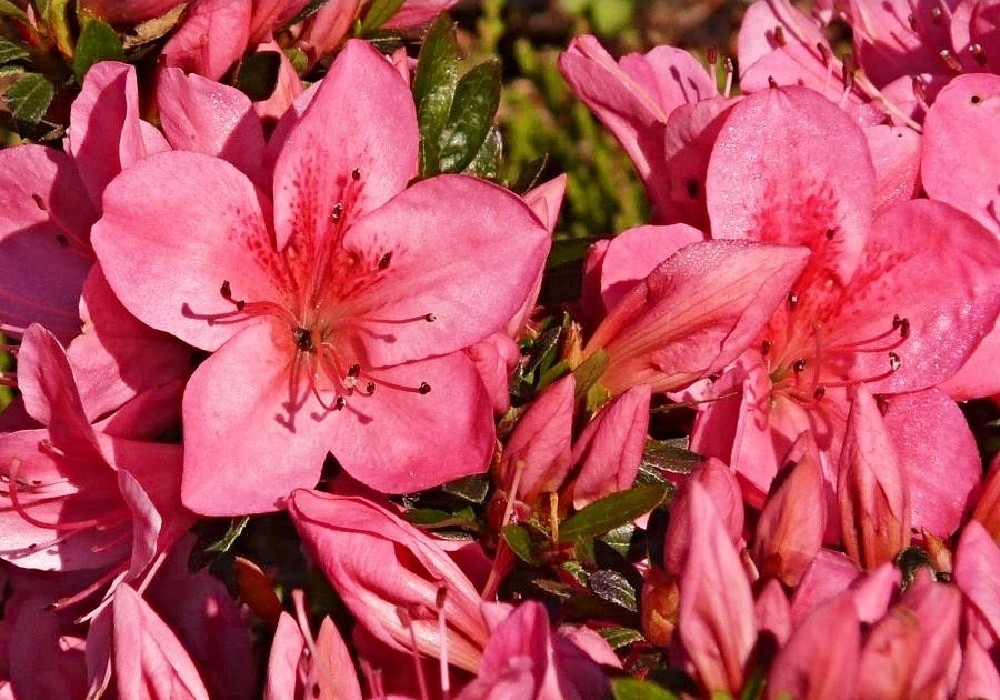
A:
29	98
98	42
633	689
567	251
614	588
519	541
611	512
477	97
530	175
257	75
57	15
620	539
576	570
669	456
378	14
473	489
431	518
433	89
619	637
9	51
224	544
311	8
486	164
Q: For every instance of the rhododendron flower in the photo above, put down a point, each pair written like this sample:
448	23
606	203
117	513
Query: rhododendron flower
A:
862	311
336	308
79	497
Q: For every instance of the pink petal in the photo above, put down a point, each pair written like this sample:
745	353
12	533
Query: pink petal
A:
519	655
105	133
633	254
495	358
791	526
379	565
817	194
286	90
204	116
987	510
896	156
695	313
976	379
212	37
873	489
716	621
399	441
961	151
362	120
979	676
50	395
415	13
609	449
938	607
173	282
149	661
287	647
830	574
273	14
45	217
461	249
223	476
324	31
772	613
116	357
809	666
546	200
934	267
976	562
890	656
539	447
938	451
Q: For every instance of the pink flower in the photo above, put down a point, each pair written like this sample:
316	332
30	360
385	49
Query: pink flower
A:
79	497
862	311
336	307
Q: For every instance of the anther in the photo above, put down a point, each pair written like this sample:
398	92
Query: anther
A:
894	361
779	36
370	389
303	339
39	202
799	366
227	293
949	58
336	212
430	318
383	262
354	371
424	388
819	392
765	346
902	325
356	174
975	99
771	82
847	70
713	55
829	234
339	404
824	53
935	15
793	299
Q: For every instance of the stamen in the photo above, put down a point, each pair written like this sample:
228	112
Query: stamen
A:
356	174
728	66
227	293
442	596
978	54
799	366
949	59
779	36
771	82
414	653
336	212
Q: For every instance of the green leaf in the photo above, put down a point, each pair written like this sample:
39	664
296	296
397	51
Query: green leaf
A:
590	371
486	164
9	9
434	86
612	587
519	541
632	689
29	98
236	528
58	17
9	51
619	637
378	14
257	75
611	512
98	42
669	456
476	99
473	489
431	518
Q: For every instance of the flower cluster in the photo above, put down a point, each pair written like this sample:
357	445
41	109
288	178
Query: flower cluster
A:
295	317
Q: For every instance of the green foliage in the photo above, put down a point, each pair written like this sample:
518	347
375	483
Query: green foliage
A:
632	689
98	41
612	511
257	74
605	16
378	14
28	99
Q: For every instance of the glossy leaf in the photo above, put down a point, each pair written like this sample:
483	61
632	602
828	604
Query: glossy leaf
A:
487	162
632	689
611	512
378	14
519	541
9	51
473	106
612	587
434	85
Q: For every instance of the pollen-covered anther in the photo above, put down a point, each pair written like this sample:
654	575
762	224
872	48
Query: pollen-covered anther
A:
799	366
337	212
902	325
793	299
356	174
765	347
819	392
895	362
424	388
976	50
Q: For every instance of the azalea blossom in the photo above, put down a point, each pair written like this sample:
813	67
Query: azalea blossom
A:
336	307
